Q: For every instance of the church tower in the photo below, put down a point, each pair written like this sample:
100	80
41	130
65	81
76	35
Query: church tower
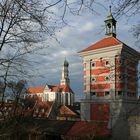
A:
67	95
65	74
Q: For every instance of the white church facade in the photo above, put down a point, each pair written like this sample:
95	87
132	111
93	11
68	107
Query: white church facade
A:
62	93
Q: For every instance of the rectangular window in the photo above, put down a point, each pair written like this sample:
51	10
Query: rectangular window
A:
93	93
120	93
107	93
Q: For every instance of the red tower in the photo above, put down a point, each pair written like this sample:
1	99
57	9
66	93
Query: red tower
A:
110	74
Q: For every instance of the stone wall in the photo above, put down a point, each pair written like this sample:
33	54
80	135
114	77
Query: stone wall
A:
124	117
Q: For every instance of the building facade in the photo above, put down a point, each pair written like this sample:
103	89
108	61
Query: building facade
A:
62	93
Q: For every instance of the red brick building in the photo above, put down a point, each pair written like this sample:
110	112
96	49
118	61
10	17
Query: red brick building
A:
110	75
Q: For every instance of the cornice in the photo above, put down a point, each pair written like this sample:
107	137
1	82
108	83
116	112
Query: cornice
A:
102	50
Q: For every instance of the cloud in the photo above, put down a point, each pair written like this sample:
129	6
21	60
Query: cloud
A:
87	27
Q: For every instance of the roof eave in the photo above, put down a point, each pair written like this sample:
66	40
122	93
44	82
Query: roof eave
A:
96	51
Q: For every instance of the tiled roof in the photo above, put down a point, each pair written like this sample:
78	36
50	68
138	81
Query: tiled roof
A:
35	109
54	127
35	90
83	128
42	109
60	88
39	109
67	129
73	129
66	112
106	42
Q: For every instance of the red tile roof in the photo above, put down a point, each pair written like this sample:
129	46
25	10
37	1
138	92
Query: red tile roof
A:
45	106
106	42
83	128
61	88
34	109
35	90
64	111
37	107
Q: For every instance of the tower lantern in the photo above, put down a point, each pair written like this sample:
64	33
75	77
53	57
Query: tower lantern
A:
110	25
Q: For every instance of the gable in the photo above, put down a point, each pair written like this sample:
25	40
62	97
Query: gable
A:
47	88
65	111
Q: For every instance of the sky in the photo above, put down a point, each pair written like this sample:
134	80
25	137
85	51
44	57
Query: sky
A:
81	32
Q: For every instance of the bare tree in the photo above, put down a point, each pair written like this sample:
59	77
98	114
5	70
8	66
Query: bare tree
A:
129	9
24	25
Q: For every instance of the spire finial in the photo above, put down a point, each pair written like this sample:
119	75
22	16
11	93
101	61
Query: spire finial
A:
110	9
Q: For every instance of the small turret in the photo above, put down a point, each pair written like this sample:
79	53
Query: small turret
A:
110	24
